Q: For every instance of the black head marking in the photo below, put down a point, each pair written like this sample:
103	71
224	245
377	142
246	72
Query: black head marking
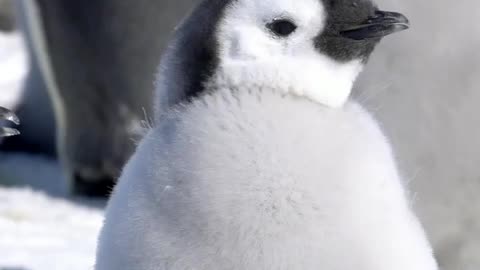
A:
353	28
345	12
191	57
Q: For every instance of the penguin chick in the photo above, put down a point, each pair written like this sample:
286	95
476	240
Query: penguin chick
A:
257	161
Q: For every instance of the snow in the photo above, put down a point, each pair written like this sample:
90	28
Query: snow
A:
40	226
41	232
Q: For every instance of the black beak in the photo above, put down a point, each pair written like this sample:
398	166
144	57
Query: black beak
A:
381	24
8	115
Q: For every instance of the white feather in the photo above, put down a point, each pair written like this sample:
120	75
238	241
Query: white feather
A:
255	179
248	51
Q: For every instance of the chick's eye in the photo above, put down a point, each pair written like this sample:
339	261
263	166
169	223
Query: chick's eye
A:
282	27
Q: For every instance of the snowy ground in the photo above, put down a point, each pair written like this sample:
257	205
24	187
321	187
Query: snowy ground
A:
41	232
40	228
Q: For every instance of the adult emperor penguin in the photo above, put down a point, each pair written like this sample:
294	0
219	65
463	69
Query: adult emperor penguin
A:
92	67
262	162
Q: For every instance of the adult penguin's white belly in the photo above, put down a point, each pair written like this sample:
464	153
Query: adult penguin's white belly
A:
256	179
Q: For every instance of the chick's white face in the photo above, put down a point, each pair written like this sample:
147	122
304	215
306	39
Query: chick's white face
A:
271	43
